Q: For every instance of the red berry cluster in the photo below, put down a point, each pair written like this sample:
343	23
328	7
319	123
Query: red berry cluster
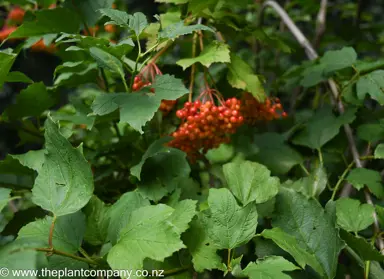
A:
144	79
206	126
254	111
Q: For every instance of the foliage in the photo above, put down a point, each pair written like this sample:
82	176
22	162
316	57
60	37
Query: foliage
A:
197	141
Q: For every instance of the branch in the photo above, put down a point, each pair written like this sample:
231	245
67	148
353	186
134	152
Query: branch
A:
320	23
312	55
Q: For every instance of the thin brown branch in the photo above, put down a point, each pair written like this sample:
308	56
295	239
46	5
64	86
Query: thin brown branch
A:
50	237
320	23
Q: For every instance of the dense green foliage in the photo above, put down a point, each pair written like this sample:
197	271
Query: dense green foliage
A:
274	171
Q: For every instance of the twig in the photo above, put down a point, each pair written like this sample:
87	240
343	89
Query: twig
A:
64	254
193	69
312	55
320	23
50	237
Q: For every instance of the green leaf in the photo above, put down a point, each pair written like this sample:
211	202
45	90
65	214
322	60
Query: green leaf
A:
373	85
216	52
380	214
18	77
221	154
204	255
138	108
322	127
271	267
241	76
177	2
250	181
149	233
379	151
120	212
360	176
228	224
371	132
107	61
105	104
155	148
33	159
18	260
335	60
5	195
67	234
89	9
117	17
365	250
50	21
275	154
185	210
97	221
13	174
178	29
138	22
312	185
289	243
65	181
32	101
353	216
313	75
6	61
313	228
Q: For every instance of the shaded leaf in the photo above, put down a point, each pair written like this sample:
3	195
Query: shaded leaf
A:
18	77
138	22
117	17
353	216
335	60
5	195
50	21
250	181
322	127
228	224
271	267
313	228
275	154
178	29
373	85
204	255
379	151
67	235
32	101
360	176
241	76
97	221
65	181
365	250
120	212
216	52
149	233
289	243
6	61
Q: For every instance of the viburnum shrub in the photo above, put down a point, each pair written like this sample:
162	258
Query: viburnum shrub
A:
196	141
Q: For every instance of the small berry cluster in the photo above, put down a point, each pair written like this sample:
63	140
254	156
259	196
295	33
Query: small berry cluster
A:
205	125
254	111
144	79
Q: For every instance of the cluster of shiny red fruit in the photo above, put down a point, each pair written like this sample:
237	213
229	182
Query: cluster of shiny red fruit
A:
145	78
205	125
255	111
15	18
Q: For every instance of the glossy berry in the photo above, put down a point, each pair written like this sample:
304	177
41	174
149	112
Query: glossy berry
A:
205	125
255	111
16	15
